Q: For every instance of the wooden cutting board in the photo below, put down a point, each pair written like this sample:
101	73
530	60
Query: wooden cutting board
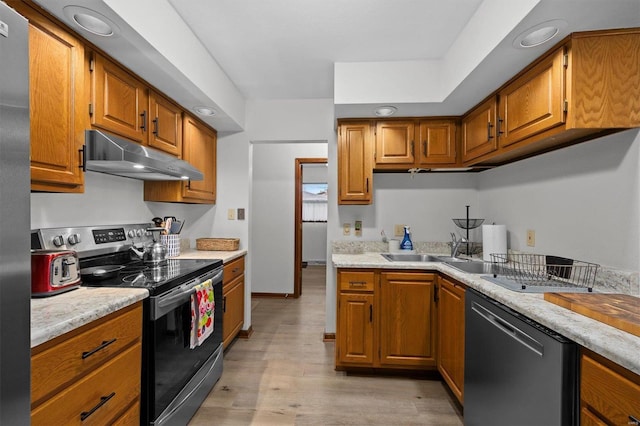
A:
617	310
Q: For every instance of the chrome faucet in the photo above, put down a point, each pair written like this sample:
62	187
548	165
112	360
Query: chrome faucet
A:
456	243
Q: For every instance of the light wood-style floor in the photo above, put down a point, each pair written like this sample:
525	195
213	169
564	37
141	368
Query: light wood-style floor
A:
284	375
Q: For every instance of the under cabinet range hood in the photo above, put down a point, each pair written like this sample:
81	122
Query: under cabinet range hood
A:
110	154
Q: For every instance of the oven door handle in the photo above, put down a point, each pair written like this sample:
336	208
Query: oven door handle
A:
187	290
180	295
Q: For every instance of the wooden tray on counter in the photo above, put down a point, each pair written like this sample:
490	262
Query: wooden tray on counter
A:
617	310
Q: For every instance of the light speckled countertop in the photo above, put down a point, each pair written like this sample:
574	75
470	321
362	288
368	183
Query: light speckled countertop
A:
59	314
226	256
617	345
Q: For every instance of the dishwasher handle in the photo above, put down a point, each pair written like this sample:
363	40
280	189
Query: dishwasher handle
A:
509	329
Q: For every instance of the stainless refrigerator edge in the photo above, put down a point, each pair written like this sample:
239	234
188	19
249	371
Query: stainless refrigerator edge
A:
15	201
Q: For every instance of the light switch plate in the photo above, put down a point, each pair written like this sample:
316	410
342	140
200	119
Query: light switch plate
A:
358	228
346	229
231	214
398	230
240	214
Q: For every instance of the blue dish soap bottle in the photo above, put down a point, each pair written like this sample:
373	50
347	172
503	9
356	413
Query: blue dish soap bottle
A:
406	243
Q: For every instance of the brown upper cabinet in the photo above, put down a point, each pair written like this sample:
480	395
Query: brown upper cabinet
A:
407	143
355	157
124	105
585	87
57	114
199	149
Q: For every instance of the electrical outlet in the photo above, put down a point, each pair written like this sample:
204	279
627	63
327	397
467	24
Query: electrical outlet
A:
346	229
531	238
231	214
240	214
358	228
398	230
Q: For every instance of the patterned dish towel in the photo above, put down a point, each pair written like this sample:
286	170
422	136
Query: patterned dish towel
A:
203	306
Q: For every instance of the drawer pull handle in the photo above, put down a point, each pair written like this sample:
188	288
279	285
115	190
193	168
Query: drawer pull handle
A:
234	270
103	400
104	344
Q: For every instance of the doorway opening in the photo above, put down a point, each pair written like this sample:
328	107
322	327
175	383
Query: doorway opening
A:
310	212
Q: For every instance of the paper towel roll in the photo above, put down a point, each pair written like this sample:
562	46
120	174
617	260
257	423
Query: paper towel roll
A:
494	240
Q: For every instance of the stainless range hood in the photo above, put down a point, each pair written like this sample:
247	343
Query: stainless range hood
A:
110	154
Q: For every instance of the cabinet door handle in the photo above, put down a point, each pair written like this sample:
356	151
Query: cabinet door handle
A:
103	400
103	345
83	158
224	304
413	149
371	313
357	283
489	126
500	121
367	185
155	126
424	148
436	296
143	127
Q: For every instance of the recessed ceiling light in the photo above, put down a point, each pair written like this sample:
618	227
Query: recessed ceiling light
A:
385	111
206	111
539	34
91	21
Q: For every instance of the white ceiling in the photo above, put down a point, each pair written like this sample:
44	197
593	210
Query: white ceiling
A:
428	57
283	49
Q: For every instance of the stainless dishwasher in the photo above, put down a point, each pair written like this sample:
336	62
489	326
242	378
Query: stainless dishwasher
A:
517	372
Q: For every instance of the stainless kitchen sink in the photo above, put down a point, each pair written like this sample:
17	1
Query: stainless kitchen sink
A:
410	257
416	257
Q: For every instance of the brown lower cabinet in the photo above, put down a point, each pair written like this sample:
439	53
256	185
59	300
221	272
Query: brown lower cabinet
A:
232	300
450	300
385	319
90	375
609	393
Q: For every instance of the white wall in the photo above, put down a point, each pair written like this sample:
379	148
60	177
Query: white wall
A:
273	208
582	201
314	242
425	202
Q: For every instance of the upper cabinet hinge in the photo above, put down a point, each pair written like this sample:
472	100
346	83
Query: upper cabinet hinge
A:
92	64
90	110
565	60
566	105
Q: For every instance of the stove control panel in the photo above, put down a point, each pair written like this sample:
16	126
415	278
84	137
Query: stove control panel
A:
102	236
91	240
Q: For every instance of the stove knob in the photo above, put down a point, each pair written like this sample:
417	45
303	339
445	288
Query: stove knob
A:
58	240
131	233
74	239
139	232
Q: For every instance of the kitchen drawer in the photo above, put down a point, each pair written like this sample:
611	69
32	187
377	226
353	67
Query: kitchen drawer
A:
56	363
118	380
608	390
233	269
131	417
356	280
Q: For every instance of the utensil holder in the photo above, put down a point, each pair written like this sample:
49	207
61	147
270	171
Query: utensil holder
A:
172	242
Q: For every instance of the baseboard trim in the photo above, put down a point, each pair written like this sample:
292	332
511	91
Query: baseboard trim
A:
329	337
245	334
272	295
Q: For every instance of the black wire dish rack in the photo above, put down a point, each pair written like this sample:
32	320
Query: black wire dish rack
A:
538	272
